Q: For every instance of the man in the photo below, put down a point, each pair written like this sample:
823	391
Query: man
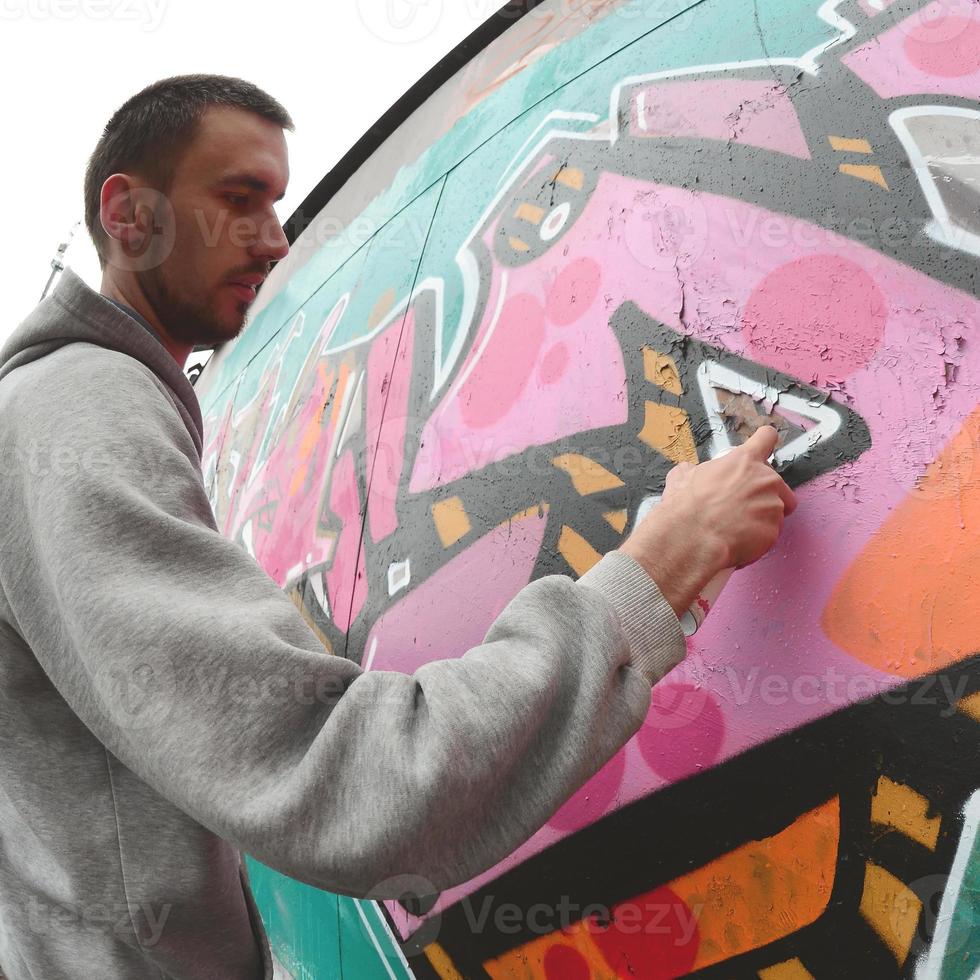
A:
123	815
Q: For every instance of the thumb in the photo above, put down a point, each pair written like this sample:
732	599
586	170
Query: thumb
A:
762	443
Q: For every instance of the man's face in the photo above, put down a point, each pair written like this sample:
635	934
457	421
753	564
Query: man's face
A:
225	227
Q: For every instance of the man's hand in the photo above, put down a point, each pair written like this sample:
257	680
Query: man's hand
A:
725	513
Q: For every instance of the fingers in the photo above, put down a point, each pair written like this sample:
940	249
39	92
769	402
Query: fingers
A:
786	495
762	443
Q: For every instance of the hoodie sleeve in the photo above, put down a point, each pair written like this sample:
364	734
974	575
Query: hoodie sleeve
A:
195	670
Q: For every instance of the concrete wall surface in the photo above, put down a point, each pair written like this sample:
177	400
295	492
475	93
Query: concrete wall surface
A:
623	236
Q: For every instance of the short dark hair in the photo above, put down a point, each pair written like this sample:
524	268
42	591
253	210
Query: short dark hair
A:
150	131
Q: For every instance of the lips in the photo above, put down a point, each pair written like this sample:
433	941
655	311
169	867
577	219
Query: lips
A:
246	293
247	286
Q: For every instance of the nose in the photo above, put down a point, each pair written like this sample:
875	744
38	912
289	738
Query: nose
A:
271	243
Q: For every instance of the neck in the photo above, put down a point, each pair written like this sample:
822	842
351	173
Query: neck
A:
129	292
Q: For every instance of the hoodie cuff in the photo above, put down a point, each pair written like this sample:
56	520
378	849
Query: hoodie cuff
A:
657	643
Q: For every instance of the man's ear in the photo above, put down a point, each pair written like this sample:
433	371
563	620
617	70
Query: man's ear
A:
119	213
140	219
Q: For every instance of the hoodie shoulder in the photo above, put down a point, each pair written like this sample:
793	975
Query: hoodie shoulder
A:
83	385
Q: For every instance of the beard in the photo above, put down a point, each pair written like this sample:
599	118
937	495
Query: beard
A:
189	321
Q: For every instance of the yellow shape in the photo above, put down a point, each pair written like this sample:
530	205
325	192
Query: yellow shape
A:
577	551
891	908
571	177
971	706
531	213
661	370
666	429
790	970
384	305
518	246
865	171
844	144
441	962
616	519
297	600
451	520
898	806
587	475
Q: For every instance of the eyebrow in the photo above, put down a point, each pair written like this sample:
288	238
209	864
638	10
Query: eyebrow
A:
249	180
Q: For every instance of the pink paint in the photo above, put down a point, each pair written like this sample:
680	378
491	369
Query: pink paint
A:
405	635
935	51
574	291
749	112
956	58
554	364
346	580
818	316
500	376
389	379
501	403
593	798
283	501
683	732
761	662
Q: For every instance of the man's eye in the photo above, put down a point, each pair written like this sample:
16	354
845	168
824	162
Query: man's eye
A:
236	199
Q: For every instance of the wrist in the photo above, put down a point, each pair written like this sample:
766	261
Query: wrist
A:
680	562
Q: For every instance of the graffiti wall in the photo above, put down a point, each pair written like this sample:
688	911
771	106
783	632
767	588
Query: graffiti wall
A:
649	228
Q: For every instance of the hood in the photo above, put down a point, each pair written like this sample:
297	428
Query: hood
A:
75	313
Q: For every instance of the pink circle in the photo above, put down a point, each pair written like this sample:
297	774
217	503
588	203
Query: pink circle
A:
592	800
554	364
563	962
683	732
660	946
501	374
574	291
818	316
955	54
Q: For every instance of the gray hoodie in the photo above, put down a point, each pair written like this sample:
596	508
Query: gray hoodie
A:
164	707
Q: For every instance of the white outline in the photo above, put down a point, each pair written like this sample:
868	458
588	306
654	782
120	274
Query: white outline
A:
930	968
712	375
374	940
943	229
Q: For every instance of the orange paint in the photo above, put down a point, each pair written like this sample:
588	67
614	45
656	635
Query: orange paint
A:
909	603
757	894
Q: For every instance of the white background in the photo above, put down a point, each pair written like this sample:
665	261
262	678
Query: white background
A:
67	65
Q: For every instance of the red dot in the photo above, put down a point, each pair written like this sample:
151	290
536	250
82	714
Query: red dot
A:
951	52
565	963
683	732
502	372
652	937
820	315
554	364
592	800
574	291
